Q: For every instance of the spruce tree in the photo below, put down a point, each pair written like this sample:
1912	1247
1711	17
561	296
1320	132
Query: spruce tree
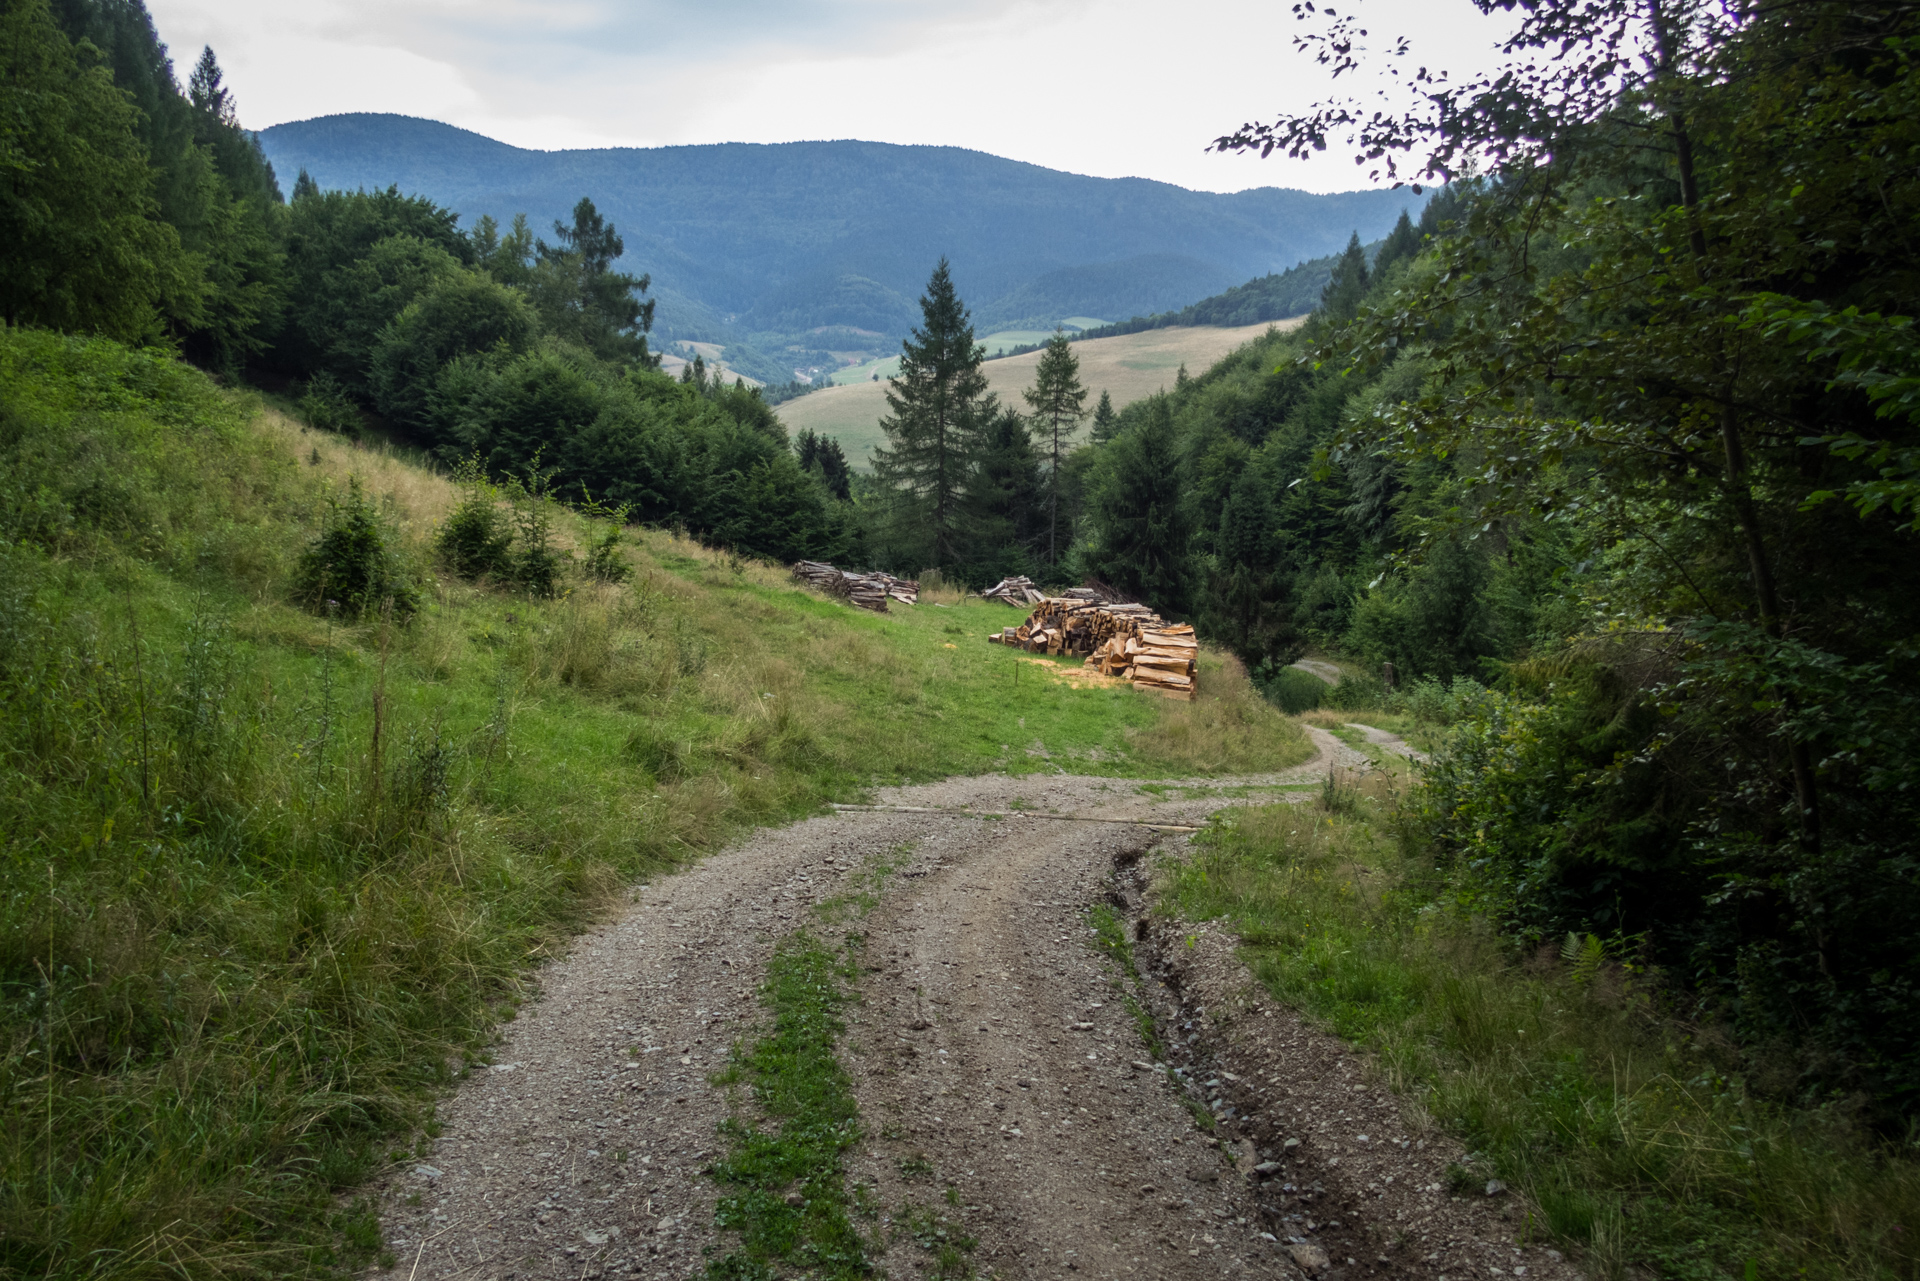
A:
1058	400
1105	421
208	93
1402	242
1004	498
1341	299
1138	513
939	403
821	456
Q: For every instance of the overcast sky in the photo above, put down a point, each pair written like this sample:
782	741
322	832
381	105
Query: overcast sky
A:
1105	87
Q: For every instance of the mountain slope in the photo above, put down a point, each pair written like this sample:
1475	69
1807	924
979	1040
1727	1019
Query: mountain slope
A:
766	237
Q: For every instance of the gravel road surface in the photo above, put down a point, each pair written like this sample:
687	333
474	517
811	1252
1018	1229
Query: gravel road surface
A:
998	1073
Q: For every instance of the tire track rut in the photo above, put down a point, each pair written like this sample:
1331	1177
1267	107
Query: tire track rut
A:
993	1061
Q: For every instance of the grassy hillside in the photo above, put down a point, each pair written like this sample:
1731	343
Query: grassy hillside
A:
1131	367
271	875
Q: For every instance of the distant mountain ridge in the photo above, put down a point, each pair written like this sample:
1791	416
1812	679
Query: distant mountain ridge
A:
769	241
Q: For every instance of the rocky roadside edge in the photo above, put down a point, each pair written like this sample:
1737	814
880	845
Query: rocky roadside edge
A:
1356	1180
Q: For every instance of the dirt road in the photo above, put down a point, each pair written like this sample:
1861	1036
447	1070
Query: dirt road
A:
998	1073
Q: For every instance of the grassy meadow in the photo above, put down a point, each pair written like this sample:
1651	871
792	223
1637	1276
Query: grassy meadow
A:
1130	367
271	876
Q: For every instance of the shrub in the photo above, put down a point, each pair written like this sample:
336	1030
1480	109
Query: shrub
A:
538	565
324	404
1356	694
477	539
350	569
1434	702
605	564
1294	691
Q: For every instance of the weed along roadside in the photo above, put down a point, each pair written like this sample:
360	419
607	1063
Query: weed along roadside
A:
1572	1112
795	1117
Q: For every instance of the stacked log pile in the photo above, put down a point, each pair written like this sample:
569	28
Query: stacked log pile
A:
1165	658
1015	591
1128	641
869	591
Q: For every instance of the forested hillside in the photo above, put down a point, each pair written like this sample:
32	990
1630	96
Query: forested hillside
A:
759	246
1620	453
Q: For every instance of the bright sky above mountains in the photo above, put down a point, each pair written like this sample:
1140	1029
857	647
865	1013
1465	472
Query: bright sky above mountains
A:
1105	87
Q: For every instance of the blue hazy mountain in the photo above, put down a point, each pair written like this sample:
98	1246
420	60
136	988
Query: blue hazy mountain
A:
793	238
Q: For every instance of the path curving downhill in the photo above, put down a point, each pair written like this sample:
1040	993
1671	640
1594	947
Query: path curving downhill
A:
996	1067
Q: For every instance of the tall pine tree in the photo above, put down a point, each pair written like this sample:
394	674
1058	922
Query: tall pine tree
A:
582	298
1058	400
939	403
1340	302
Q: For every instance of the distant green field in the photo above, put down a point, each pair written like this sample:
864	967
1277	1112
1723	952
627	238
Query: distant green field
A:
886	367
1007	339
1130	367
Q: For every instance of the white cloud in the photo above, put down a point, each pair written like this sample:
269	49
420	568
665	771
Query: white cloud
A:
1106	87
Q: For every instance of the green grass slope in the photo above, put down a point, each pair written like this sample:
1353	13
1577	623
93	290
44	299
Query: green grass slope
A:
269	877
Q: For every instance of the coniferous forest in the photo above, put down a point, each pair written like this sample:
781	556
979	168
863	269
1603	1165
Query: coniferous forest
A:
1603	471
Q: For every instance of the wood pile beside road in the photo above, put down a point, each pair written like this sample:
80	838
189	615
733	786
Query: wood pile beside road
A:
869	591
1128	641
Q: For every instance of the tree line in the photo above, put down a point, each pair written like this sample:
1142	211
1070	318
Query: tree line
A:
1631	439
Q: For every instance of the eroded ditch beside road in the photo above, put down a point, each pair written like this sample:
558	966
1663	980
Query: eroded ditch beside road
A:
1012	1120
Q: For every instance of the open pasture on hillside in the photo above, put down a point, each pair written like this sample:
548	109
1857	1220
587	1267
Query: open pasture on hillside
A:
1130	367
713	355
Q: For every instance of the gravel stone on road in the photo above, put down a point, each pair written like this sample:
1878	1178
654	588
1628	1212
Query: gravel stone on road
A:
991	1053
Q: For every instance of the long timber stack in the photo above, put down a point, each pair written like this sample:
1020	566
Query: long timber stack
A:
1128	641
869	591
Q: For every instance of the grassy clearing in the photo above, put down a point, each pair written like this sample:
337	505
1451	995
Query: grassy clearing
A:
1562	1071
270	879
1129	368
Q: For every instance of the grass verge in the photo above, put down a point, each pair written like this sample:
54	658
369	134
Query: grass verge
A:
788	1197
1560	1070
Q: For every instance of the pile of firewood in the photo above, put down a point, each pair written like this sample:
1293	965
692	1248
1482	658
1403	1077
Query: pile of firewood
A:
1128	641
869	591
1165	658
1015	591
